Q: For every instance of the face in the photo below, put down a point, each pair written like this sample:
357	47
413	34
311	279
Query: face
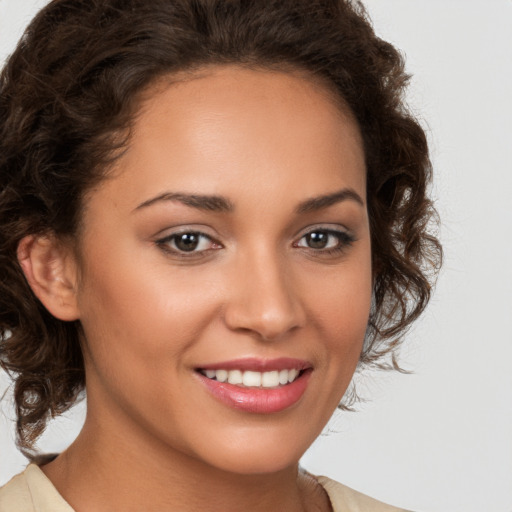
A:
225	271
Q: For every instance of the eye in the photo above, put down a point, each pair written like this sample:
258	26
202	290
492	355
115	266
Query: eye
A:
325	240
187	242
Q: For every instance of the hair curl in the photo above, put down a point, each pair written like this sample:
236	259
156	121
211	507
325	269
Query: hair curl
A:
70	89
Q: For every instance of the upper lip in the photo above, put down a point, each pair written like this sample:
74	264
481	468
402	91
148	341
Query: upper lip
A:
259	365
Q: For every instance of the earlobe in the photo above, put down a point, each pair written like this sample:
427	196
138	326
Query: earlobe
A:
50	270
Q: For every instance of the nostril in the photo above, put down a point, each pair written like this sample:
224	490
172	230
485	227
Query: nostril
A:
262	300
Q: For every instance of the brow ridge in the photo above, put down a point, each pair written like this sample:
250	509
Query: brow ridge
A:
210	203
324	201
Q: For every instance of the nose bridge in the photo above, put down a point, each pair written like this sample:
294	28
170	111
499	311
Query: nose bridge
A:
264	300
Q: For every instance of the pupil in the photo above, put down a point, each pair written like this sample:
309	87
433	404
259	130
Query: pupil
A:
318	240
187	241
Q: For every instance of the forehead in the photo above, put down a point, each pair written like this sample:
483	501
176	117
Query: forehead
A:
226	126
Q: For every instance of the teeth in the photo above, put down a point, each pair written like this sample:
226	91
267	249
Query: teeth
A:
221	375
283	377
252	379
270	379
235	377
292	375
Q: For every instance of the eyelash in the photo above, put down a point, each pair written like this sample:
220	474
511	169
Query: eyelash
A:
166	242
344	241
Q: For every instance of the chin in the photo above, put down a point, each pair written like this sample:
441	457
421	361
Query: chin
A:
258	456
252	464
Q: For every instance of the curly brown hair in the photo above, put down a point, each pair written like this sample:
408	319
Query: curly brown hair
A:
70	89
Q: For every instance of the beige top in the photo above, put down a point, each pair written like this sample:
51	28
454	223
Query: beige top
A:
31	491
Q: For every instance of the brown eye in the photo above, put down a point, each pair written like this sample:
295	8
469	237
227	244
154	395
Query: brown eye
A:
187	242
317	239
325	240
321	239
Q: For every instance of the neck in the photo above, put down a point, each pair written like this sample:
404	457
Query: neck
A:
132	472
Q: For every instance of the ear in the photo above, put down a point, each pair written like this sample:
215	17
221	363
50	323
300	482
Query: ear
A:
50	269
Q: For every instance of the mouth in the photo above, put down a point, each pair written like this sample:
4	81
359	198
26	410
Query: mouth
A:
254	379
257	386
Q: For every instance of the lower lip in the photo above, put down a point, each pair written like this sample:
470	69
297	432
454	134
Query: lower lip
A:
258	400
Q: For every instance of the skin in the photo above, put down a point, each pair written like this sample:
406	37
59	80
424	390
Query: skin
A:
266	142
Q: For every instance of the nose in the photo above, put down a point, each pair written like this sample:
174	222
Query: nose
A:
263	299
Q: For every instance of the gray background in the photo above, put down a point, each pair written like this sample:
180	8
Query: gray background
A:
440	439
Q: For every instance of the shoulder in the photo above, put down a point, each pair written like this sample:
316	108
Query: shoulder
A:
31	491
15	495
344	498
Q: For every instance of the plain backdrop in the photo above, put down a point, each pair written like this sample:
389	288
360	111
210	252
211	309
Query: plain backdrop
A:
440	439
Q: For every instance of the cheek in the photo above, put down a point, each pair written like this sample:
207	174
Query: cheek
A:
140	317
340	310
342	304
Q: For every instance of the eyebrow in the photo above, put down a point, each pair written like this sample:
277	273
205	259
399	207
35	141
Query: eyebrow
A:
201	202
321	202
213	203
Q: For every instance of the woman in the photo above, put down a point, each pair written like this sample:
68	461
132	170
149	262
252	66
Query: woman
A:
211	213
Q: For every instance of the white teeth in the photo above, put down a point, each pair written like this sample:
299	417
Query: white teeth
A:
235	377
283	377
270	379
221	375
292	375
253	379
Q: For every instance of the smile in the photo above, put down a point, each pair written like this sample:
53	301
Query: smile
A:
257	386
253	379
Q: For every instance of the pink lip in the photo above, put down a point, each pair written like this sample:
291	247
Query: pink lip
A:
259	365
259	400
